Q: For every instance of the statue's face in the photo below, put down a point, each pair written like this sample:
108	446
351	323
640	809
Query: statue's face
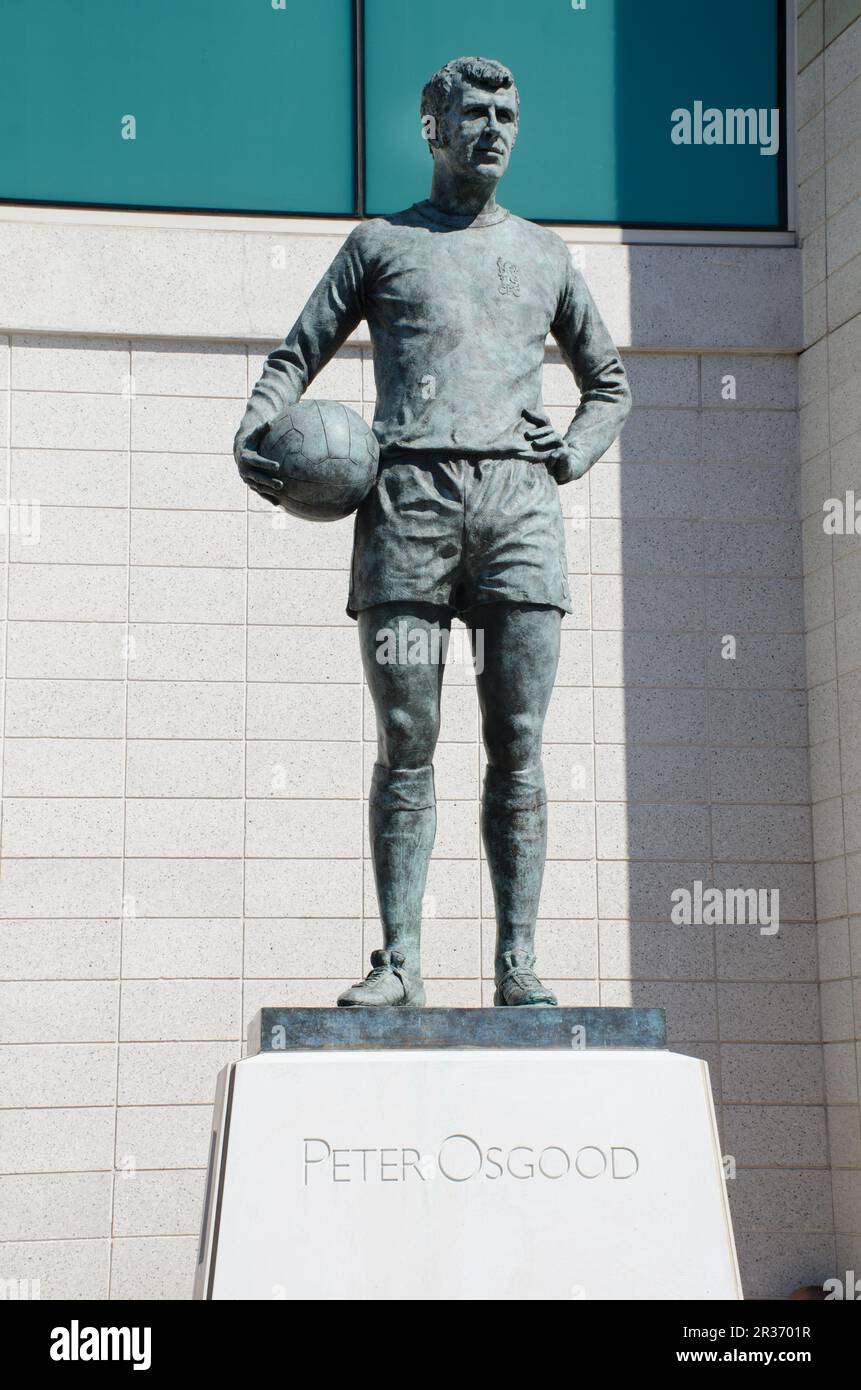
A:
480	131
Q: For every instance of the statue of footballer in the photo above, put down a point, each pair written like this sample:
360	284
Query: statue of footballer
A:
463	517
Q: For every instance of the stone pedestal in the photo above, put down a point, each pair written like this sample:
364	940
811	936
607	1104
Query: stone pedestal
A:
464	1154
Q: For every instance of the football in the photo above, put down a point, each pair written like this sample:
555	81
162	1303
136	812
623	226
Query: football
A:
327	459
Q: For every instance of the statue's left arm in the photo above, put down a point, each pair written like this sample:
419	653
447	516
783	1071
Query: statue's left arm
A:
591	354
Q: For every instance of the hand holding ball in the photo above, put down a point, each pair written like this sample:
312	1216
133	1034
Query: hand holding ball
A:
326	459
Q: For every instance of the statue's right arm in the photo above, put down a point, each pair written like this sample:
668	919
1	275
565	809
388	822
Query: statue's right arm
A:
333	311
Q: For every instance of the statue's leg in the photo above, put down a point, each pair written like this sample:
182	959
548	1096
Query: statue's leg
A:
403	654
518	652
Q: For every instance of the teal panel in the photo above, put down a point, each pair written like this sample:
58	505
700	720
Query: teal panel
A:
598	86
237	104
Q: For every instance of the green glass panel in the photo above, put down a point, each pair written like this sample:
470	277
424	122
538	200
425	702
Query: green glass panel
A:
598	88
237	104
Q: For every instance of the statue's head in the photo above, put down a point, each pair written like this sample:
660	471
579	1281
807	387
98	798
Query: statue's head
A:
469	114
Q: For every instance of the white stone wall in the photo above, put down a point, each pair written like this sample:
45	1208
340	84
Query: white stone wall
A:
151	800
829	114
187	741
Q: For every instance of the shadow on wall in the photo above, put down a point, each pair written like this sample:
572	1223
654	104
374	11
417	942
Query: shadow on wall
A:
700	730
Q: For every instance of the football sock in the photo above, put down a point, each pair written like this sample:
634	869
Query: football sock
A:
402	822
514	830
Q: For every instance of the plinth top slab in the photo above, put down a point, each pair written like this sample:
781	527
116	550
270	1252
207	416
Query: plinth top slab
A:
296	1030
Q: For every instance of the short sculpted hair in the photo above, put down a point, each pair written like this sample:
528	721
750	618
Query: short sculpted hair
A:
480	72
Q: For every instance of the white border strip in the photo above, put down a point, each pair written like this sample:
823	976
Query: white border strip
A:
339	227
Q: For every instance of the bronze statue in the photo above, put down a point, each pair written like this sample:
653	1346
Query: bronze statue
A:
464	518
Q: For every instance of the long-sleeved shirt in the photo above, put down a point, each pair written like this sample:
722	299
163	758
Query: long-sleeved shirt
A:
458	311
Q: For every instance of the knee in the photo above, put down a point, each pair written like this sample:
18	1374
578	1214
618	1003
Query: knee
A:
406	739
513	741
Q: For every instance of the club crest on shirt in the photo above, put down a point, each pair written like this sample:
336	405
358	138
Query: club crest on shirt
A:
509	279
